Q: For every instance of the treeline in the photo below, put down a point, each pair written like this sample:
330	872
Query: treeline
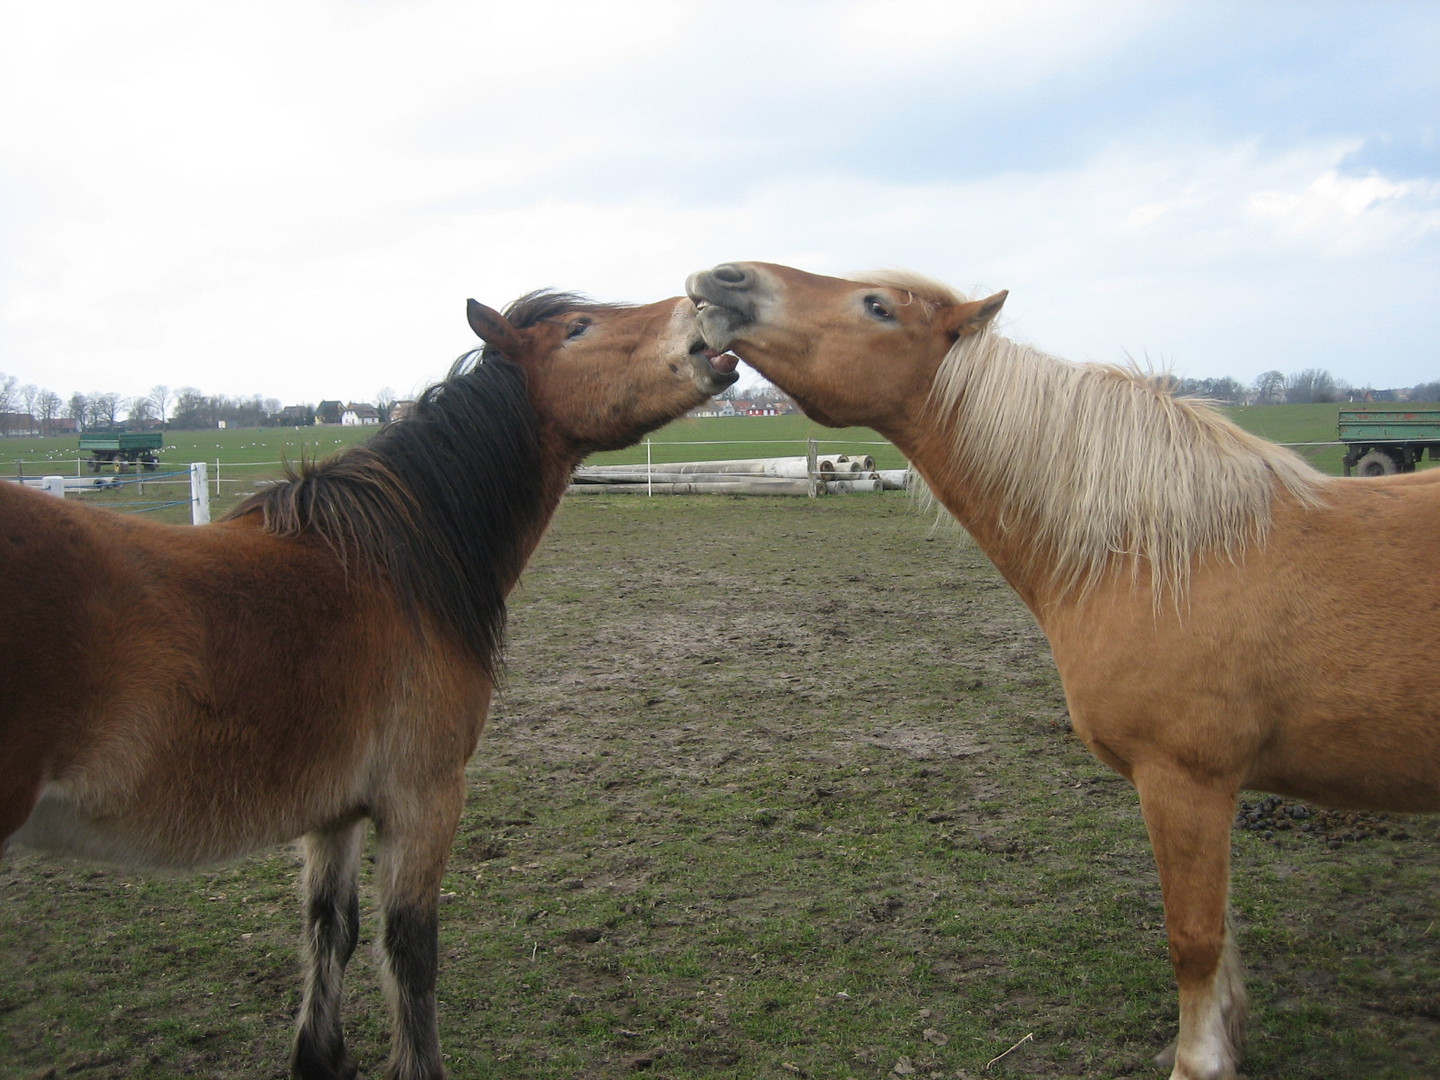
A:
191	408
187	407
1308	387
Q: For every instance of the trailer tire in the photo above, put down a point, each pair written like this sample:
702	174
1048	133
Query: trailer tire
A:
1376	463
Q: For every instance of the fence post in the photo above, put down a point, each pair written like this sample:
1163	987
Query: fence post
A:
55	485
649	476
812	467
199	494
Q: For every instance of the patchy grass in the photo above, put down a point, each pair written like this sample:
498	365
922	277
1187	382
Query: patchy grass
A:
776	788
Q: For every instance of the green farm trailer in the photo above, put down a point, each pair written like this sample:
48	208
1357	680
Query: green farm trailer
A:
1383	441
122	450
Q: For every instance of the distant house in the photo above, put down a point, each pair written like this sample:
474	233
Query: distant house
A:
354	415
328	412
401	409
14	423
772	405
295	416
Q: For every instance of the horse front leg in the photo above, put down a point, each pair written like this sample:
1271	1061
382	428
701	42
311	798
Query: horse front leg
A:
1189	819
332	926
410	862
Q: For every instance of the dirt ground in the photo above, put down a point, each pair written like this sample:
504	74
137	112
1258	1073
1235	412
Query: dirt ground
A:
844	665
775	788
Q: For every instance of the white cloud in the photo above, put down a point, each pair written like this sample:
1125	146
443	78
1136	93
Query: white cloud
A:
993	47
295	199
1352	214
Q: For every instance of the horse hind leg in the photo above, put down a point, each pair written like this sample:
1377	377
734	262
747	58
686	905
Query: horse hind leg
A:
1189	823
332	927
411	944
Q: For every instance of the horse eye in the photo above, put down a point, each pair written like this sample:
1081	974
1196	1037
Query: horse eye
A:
875	306
578	328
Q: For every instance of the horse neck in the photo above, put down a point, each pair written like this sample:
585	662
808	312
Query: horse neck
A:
930	452
551	484
448	504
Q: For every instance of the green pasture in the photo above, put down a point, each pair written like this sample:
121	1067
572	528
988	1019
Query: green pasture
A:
774	789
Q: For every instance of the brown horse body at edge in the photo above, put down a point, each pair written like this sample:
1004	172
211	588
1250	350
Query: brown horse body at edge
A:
173	696
1222	616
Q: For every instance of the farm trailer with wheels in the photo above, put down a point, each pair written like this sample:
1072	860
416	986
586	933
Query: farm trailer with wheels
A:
122	450
1383	441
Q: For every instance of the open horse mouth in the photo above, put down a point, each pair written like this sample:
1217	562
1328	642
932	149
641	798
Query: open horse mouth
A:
723	362
714	368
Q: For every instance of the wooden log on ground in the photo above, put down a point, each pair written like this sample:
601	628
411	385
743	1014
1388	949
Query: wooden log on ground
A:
736	485
797	468
667	476
847	487
789	467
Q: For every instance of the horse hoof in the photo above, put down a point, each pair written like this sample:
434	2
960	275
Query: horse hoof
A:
1165	1059
341	1066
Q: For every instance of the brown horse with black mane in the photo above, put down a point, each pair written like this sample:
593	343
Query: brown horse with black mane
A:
1199	586
326	653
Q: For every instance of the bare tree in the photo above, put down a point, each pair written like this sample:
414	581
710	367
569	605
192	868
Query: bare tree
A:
1226	389
1270	388
51	409
160	398
385	403
104	409
29	395
7	400
192	408
1426	392
78	409
142	411
1309	386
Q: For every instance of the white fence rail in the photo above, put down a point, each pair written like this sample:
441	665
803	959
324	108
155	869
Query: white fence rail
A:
199	500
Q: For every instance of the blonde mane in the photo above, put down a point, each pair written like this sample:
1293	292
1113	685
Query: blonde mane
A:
1097	463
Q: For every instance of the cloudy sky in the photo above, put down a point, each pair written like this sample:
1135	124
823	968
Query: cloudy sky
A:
295	199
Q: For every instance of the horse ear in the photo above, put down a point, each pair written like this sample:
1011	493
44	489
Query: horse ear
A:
492	328
972	317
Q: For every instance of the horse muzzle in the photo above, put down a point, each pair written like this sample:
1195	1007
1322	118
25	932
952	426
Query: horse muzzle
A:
725	299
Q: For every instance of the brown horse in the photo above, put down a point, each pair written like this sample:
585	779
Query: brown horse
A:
1199	587
173	696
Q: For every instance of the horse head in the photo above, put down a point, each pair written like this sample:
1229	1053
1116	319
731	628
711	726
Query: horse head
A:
601	375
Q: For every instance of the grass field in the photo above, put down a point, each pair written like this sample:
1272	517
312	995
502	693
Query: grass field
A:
776	788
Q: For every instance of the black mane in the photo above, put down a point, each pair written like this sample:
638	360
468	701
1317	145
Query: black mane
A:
443	504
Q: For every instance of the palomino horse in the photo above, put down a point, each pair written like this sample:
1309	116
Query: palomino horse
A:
172	696
1197	584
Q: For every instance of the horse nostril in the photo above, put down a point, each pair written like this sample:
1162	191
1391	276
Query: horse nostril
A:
730	274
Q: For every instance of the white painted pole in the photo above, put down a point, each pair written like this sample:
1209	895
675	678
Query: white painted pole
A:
54	485
649	480
199	494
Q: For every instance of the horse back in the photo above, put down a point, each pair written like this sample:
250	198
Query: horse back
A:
157	677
